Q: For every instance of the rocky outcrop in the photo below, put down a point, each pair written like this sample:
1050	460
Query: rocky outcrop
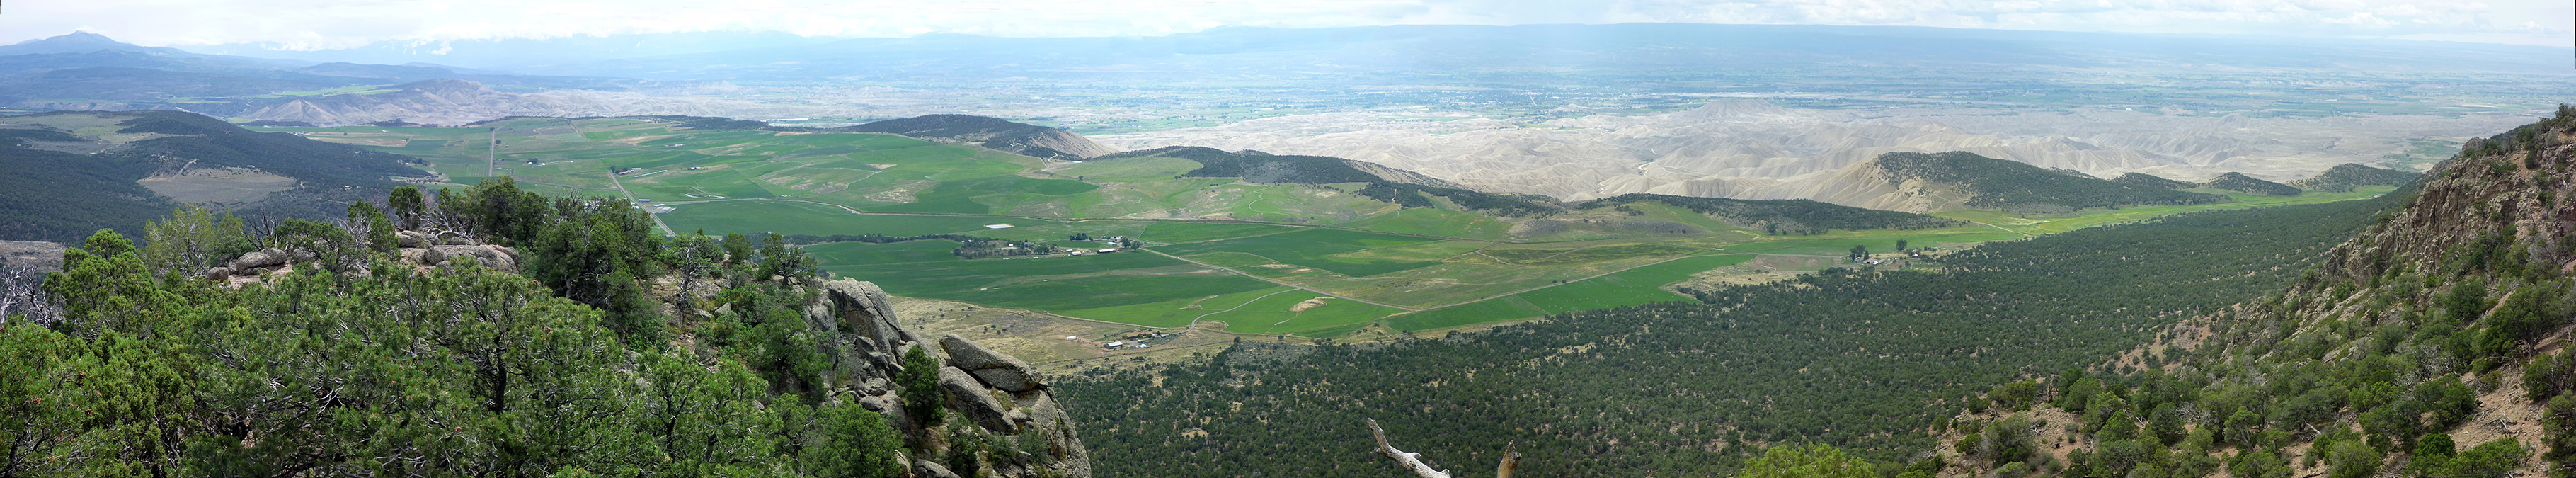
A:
993	368
418	250
994	392
968	397
496	257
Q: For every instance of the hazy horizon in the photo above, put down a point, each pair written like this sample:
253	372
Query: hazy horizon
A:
305	26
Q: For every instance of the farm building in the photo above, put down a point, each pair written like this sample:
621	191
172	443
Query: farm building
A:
1115	345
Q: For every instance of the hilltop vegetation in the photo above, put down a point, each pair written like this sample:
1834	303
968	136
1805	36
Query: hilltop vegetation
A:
590	346
2239	182
1999	184
2345	177
2153	181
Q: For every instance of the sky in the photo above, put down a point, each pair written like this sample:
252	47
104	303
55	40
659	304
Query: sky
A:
329	24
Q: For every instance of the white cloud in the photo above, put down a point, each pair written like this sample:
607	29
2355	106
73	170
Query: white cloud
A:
312	24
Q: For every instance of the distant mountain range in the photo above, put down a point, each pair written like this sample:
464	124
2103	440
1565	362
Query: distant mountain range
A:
84	71
1509	54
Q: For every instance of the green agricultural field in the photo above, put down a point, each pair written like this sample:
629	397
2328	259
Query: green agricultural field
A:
1325	237
1054	283
1437	222
788	217
1315	248
1125	170
859	253
1180	232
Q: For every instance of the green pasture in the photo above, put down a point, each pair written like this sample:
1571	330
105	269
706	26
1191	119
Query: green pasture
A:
858	253
790	217
1179	232
1437	222
1055	283
1315	248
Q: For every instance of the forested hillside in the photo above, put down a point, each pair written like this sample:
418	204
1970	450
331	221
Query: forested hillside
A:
1864	359
2432	344
490	332
68	174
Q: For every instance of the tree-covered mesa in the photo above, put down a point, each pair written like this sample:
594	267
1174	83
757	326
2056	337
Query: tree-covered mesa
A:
357	361
1869	361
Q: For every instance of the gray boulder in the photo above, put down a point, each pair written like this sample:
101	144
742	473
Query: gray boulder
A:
864	309
1014	380
1049	424
490	257
218	273
877	404
927	469
415	239
415	255
270	257
993	368
971	399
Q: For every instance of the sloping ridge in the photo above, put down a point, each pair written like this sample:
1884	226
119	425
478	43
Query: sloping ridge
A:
995	133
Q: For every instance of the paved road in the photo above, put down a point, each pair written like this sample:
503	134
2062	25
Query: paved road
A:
630	199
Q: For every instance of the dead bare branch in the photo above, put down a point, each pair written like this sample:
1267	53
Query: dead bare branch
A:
1410	461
